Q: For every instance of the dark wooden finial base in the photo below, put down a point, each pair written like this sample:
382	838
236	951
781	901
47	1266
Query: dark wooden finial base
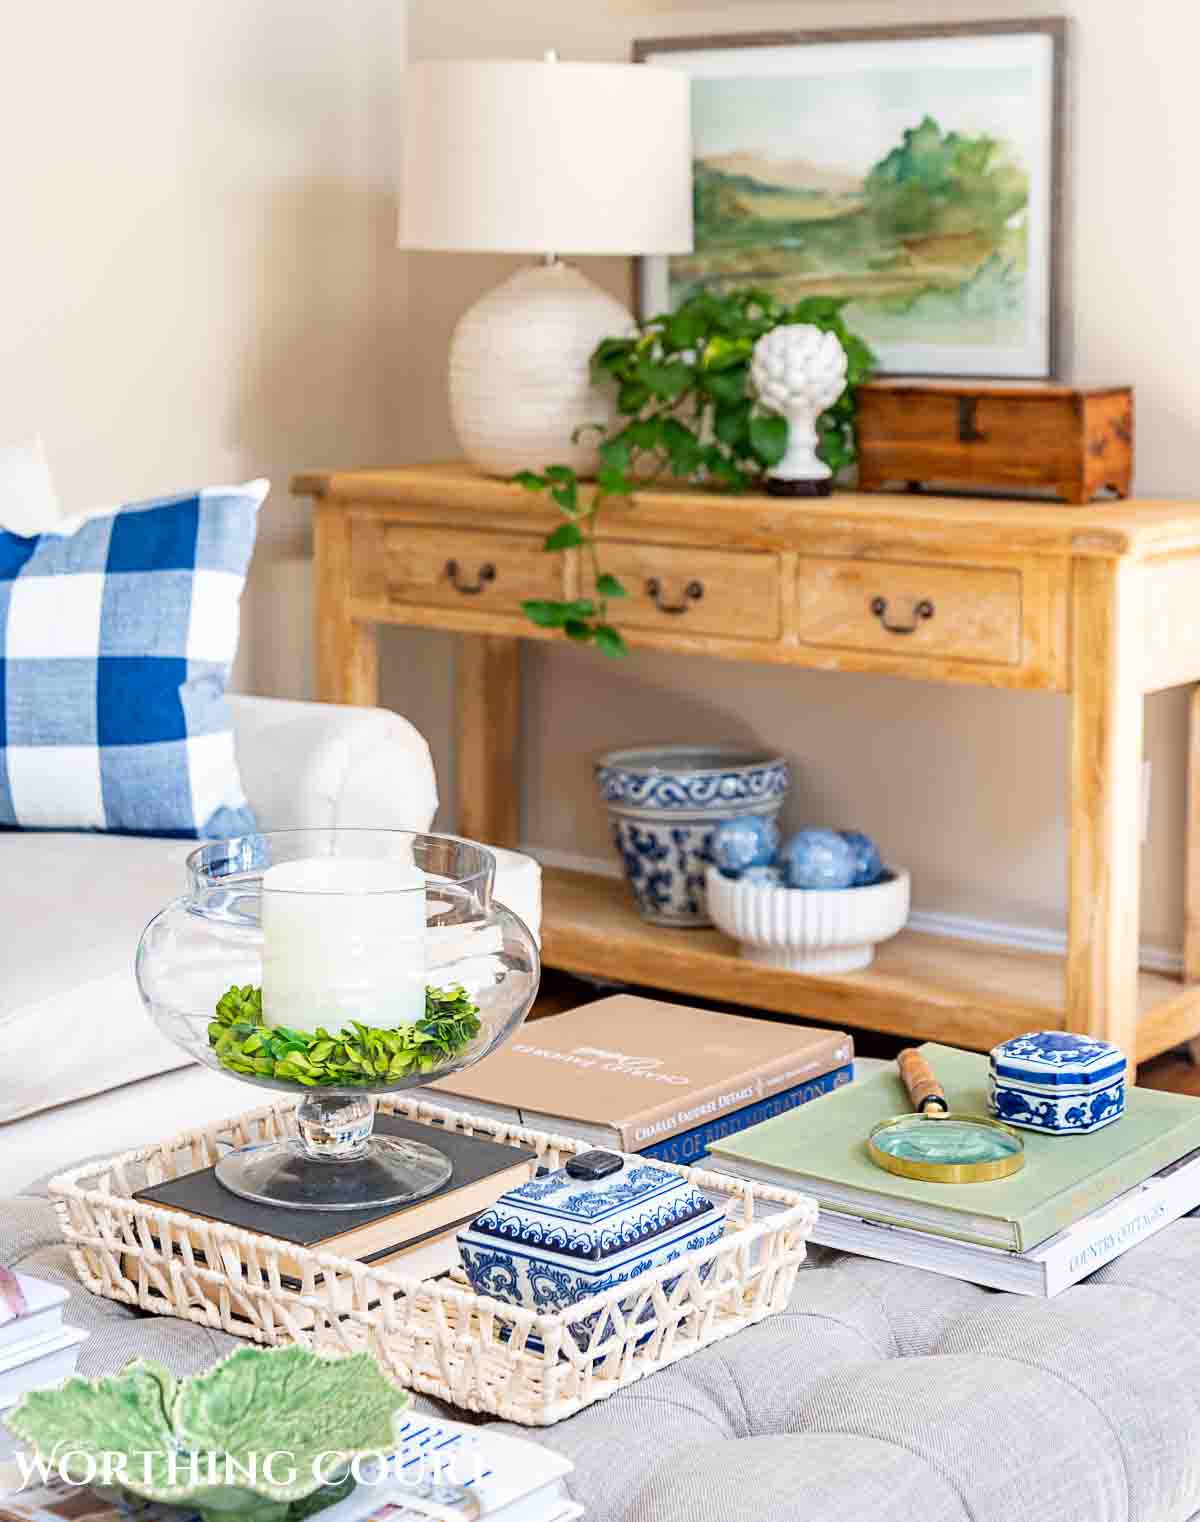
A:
778	488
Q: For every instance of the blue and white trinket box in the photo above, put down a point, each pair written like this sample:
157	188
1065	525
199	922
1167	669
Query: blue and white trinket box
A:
1057	1082
601	1221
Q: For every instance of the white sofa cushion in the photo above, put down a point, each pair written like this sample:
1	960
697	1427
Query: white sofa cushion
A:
28	501
73	907
325	766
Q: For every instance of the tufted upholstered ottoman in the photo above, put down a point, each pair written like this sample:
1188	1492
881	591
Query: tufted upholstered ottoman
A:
883	1394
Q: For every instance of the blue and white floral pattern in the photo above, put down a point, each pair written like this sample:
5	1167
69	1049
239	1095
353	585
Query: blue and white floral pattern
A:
545	1286
675	783
665	805
1058	1059
557	1240
1079	1112
1058	1082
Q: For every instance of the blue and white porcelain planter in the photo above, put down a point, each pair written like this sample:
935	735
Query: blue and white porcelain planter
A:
665	803
603	1220
1057	1082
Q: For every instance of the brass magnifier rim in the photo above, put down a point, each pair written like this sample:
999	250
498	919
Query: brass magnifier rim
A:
948	1173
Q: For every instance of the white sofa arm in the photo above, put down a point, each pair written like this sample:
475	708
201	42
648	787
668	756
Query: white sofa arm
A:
320	765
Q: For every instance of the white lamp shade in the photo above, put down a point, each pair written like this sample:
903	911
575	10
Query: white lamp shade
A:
551	158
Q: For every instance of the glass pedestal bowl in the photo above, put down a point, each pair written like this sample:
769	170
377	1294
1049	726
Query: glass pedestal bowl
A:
376	979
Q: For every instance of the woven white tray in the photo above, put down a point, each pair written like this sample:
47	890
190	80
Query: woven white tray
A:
438	1337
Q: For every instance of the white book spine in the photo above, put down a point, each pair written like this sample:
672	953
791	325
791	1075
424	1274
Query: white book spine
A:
1130	1218
1046	1270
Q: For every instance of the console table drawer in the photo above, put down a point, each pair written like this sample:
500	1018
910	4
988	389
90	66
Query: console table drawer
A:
687	591
970	613
445	568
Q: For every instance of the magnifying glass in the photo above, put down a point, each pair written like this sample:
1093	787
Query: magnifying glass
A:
937	1145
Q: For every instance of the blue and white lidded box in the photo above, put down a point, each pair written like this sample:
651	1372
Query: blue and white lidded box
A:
1058	1082
603	1220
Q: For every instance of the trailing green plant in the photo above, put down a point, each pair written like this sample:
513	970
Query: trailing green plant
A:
684	410
356	1054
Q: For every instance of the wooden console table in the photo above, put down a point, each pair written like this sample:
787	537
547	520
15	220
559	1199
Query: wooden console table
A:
1100	602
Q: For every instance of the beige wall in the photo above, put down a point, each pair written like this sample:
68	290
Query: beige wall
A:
199	283
962	786
197	278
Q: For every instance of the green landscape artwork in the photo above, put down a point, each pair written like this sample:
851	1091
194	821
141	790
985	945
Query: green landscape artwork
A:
916	188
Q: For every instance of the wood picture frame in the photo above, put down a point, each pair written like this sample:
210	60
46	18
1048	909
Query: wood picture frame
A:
959	288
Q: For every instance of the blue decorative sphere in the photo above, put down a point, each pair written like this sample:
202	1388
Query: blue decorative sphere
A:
868	863
817	859
772	876
747	841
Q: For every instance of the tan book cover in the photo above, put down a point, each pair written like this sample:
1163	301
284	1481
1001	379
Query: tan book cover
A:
646	1068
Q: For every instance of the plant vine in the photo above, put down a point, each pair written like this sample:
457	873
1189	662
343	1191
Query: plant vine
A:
683	410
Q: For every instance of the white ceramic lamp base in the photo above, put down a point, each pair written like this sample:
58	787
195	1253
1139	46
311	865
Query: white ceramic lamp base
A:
519	376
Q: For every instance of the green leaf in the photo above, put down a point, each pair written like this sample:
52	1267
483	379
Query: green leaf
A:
726	385
288	1400
129	1412
582	607
684	449
578	630
723	353
684	329
667	382
607	585
768	438
732	424
565	537
547	615
632	396
610	356
563	473
615	453
609	641
645	433
613	482
567	496
816	309
530	480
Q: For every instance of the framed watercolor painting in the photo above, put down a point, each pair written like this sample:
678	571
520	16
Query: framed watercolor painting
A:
914	171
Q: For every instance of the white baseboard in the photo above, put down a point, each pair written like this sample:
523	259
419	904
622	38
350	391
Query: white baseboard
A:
956	927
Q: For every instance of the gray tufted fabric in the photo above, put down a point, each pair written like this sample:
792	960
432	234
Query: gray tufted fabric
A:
881	1394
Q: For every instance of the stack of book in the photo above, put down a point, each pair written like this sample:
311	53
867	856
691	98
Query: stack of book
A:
1078	1203
417	1240
641	1075
36	1347
632	1074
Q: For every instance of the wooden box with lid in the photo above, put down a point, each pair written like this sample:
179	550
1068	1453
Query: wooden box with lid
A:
1074	440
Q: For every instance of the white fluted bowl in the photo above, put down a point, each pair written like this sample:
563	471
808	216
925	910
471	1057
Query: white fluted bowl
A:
810	930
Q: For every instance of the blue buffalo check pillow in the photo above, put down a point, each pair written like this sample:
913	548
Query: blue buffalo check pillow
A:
117	634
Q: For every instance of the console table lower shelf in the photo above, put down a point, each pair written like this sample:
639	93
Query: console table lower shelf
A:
925	987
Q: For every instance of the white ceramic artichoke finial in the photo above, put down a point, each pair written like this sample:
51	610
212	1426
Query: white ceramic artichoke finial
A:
798	371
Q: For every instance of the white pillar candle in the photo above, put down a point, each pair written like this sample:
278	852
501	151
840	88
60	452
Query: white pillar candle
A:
343	939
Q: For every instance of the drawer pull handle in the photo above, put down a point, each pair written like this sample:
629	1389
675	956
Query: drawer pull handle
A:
968	432
487	573
923	609
693	592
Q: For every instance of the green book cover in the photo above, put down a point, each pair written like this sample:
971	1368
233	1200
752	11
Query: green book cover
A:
820	1149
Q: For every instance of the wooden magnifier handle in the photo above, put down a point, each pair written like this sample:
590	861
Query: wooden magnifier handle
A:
924	1090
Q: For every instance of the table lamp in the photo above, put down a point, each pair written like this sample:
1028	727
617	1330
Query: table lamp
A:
541	158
